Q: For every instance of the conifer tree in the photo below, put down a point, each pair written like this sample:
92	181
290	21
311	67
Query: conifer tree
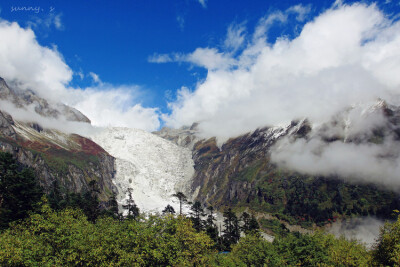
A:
113	206
182	199
91	204
197	211
231	232
130	206
19	190
169	210
250	223
55	197
210	226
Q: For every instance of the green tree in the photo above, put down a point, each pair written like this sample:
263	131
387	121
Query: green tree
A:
55	198
210	226
67	238
182	199
387	249
253	250
91	204
168	210
130	206
250	223
197	212
112	208
19	190
231	232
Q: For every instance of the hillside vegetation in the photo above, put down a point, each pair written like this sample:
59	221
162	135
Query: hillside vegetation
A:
45	233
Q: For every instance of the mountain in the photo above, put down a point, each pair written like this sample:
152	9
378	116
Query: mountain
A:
24	98
55	155
240	173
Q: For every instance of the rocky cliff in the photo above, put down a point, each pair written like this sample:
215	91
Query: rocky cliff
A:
70	159
240	174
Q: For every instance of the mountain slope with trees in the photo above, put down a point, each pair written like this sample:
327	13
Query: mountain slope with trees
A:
55	156
240	174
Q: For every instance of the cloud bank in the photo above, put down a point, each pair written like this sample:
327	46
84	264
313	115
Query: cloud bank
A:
347	54
27	64
340	62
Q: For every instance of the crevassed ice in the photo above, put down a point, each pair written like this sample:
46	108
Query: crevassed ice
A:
153	167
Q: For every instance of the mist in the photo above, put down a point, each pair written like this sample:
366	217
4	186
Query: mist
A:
28	114
364	229
355	153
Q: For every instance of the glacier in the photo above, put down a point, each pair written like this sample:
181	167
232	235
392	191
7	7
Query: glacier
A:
153	167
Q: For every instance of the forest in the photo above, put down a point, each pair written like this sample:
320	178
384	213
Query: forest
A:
70	229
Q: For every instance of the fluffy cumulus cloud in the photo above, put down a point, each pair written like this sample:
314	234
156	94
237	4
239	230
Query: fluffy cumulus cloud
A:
347	54
24	61
27	64
109	105
344	57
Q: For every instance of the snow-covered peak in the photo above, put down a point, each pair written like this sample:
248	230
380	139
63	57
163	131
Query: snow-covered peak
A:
153	167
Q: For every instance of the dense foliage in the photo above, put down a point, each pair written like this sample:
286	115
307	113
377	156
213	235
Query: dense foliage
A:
72	230
296	250
19	190
387	250
240	174
66	237
305	200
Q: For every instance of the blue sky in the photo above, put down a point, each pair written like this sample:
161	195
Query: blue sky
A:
117	39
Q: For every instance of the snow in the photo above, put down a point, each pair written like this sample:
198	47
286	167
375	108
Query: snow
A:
153	167
55	137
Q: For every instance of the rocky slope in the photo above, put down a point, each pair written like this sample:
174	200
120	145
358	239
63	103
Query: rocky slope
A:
240	174
24	98
68	158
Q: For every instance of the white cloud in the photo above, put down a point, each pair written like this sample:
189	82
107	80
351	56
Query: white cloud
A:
300	10
235	37
208	58
364	162
28	114
107	105
80	74
95	77
344	56
203	3
350	54
45	22
57	22
24	62
160	58
181	22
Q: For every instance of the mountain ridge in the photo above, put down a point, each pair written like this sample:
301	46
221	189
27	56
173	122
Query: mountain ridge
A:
70	159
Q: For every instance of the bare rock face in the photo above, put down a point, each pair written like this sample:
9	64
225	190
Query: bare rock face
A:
6	123
70	159
184	136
